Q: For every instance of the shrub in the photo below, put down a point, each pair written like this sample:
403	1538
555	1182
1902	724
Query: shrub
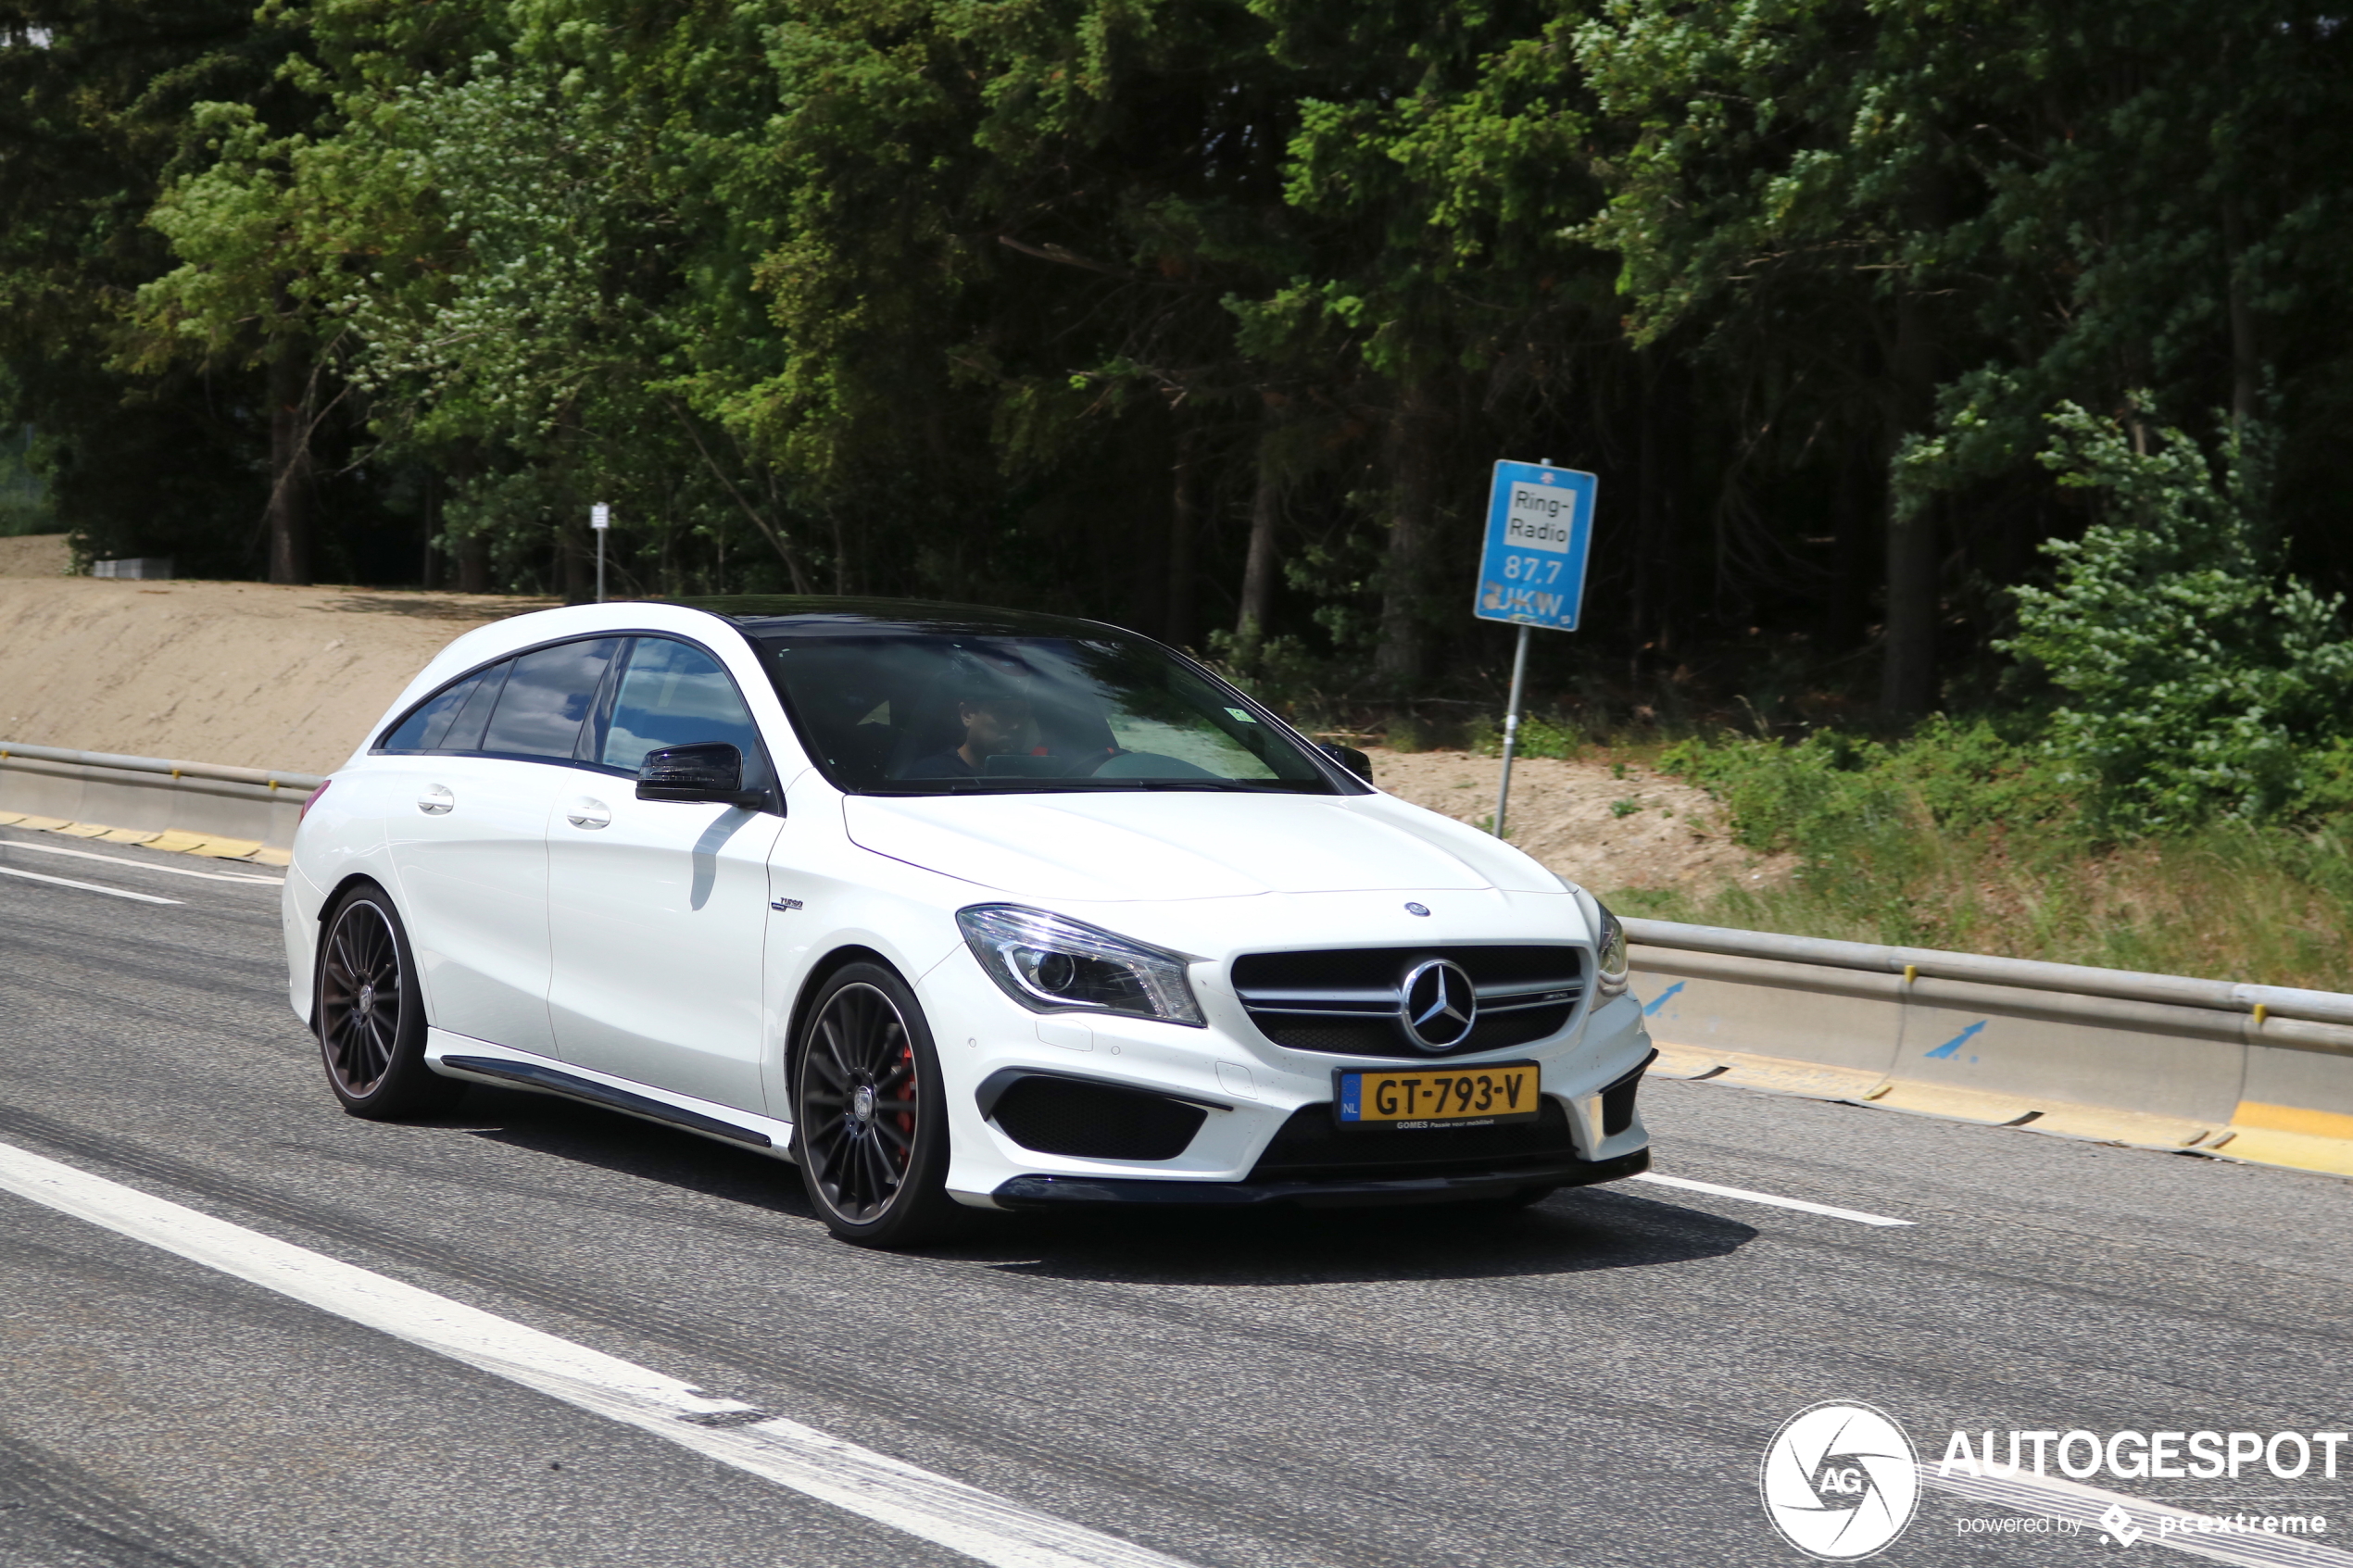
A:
2202	681
1537	737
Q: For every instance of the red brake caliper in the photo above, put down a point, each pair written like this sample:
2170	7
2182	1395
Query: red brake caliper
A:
906	1119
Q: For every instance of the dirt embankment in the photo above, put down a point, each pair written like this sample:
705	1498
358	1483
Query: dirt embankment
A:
237	672
38	554
1586	820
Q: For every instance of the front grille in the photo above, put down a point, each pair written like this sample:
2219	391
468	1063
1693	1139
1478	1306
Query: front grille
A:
1095	1120
1313	1147
1346	1001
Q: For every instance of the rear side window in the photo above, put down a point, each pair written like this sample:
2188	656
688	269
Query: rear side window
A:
452	720
547	695
425	725
673	694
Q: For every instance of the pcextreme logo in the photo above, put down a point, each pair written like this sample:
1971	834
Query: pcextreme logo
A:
1840	1481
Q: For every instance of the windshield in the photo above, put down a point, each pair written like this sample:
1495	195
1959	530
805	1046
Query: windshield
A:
894	709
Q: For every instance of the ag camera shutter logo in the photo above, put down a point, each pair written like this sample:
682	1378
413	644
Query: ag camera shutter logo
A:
1840	1481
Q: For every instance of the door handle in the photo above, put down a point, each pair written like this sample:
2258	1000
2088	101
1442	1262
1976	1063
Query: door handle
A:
586	814
437	801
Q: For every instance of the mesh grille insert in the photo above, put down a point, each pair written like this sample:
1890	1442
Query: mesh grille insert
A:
1095	1120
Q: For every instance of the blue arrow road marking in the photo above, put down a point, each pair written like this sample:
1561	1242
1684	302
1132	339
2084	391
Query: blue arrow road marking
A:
1661	1003
1952	1047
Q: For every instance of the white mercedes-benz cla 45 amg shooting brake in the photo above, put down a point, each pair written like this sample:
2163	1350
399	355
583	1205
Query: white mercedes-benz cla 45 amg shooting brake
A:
949	906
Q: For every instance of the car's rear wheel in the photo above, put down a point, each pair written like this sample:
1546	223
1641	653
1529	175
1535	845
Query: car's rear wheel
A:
870	1125
371	1022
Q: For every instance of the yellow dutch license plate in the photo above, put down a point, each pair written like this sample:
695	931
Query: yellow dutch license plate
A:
1439	1096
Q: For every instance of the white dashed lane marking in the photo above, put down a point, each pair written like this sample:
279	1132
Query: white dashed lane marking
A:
141	865
87	887
1748	1197
963	1518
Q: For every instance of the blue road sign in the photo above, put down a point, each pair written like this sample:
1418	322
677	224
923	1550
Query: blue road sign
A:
1540	526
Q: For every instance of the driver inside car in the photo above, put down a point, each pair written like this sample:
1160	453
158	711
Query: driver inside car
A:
996	721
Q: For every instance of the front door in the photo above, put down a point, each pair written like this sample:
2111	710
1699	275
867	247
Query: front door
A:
658	909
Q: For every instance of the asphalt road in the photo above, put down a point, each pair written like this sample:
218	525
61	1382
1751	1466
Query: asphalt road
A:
1592	1381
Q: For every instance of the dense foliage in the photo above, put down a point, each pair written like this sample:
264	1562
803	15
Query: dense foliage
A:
1208	317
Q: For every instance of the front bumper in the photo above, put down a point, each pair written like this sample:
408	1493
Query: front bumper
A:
1062	1192
1254	1091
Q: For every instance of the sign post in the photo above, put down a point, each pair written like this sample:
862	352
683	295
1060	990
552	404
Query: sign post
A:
1539	525
600	520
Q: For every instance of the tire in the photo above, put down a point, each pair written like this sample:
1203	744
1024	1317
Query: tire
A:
371	1015
870	1114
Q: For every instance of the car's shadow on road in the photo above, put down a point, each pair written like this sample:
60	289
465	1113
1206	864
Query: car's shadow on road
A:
1573	1231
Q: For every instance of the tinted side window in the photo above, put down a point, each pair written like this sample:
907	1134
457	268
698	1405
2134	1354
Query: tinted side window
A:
426	724
674	695
452	718
546	696
465	731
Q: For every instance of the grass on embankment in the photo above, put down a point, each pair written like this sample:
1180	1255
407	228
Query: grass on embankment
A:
1958	839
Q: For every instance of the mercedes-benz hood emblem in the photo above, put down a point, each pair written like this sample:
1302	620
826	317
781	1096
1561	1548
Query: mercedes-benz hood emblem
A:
1437	1004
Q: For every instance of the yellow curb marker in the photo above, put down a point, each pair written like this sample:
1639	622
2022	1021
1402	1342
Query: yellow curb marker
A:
175	841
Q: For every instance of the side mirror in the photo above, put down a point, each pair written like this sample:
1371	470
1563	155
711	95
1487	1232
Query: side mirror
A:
1349	758
712	771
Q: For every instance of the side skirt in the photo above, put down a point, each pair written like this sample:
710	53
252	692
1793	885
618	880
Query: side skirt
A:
479	1062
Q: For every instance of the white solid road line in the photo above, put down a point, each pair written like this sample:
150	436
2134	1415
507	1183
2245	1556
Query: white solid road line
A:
965	1519
2105	1515
141	865
1748	1197
87	887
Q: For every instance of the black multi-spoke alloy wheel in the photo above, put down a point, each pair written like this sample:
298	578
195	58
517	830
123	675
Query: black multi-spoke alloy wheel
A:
869	1123
371	1022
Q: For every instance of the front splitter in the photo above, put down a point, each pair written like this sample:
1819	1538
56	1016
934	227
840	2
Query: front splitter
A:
1060	1192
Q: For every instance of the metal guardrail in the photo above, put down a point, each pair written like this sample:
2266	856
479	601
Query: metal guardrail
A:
2082	980
271	779
153	794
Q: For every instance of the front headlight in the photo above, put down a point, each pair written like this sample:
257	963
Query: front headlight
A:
1051	964
1610	960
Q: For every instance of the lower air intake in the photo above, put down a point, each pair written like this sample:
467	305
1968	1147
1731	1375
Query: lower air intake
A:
1312	1147
1617	1100
1095	1120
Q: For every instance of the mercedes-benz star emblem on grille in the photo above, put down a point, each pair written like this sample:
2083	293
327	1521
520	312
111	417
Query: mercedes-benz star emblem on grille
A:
1437	1004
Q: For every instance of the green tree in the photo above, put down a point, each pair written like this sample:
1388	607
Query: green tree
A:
2200	679
2016	204
95	103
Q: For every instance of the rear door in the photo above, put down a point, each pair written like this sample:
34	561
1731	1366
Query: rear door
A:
659	910
477	770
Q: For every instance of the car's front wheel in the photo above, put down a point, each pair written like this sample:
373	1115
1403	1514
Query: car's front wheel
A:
371	1022
870	1125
